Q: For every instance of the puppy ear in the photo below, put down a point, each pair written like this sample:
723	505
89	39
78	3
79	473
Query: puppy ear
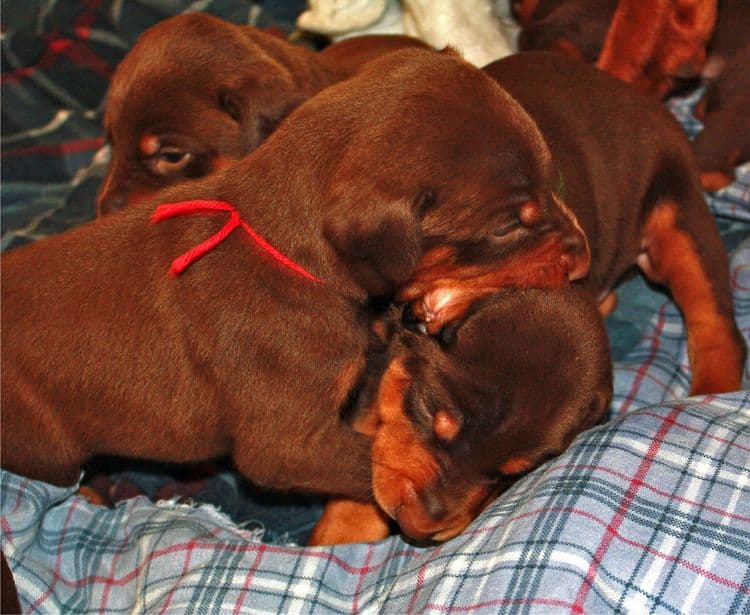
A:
258	103
577	255
378	236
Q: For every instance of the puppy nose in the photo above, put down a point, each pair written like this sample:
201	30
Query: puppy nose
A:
410	321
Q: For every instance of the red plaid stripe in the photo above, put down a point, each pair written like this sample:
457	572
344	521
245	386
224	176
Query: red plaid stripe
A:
613	526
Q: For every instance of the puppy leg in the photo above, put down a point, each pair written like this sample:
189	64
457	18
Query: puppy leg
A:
632	38
347	521
649	44
686	254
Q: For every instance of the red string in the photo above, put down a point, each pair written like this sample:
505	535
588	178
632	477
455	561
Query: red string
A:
171	210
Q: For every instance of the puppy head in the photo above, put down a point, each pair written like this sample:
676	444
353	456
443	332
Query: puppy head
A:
454	422
193	93
443	177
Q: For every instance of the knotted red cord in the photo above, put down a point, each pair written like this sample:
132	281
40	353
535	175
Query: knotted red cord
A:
170	210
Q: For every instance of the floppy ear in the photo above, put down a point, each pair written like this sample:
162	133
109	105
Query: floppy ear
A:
259	101
378	235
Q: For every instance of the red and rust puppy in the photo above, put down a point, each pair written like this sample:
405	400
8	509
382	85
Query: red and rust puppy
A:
454	421
249	352
652	44
724	141
624	167
196	92
627	171
581	27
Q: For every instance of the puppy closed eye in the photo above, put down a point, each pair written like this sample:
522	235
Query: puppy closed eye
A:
527	216
507	228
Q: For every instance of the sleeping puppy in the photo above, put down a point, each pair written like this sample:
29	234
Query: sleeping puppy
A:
457	418
196	92
253	344
624	168
724	141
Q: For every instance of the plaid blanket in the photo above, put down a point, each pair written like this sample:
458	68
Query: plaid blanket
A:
649	512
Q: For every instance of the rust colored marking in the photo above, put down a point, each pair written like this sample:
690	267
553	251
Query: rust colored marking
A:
543	266
92	496
515	465
348	521
397	451
714	181
608	304
445	425
714	353
529	213
148	144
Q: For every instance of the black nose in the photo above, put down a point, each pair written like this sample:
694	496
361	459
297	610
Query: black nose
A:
410	321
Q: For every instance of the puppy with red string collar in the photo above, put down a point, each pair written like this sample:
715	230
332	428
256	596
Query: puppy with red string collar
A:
253	343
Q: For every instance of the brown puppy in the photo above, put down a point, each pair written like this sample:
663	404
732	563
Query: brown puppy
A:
454	421
652	44
351	54
627	172
724	141
103	352
196	92
625	169
575	27
580	27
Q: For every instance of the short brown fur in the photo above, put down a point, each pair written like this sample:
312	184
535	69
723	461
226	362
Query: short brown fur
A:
104	353
631	180
204	91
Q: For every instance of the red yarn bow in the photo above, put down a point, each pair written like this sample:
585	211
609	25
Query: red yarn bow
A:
171	210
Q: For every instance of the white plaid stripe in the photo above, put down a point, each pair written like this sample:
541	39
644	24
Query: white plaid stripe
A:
739	493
